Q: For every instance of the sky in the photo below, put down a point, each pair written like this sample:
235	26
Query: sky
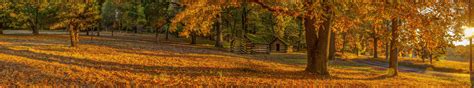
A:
467	32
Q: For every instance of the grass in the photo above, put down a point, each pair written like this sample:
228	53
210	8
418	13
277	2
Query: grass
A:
139	61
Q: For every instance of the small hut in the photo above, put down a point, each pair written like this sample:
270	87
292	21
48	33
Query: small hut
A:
280	46
251	44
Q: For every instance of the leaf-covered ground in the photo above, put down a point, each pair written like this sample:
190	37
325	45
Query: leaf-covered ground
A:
138	61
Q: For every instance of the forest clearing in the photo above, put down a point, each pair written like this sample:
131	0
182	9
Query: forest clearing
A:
130	60
236	43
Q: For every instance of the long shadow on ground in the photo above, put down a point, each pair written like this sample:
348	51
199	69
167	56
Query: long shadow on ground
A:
188	71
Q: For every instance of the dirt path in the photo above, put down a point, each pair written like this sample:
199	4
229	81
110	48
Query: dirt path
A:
383	66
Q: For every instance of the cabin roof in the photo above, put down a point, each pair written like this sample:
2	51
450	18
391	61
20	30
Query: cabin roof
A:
281	40
255	39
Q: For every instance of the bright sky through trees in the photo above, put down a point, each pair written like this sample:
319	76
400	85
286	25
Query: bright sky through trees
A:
467	32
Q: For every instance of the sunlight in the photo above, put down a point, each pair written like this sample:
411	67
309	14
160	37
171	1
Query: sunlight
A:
468	31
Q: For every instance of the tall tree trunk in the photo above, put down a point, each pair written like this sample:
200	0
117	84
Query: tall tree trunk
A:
232	45
244	16
135	29
193	38
76	36
34	23
376	55
73	37
318	42
112	30
423	55
394	51
387	51
1	28
332	48
431	58
157	35
87	32
167	33
98	31
219	39
176	34
344	43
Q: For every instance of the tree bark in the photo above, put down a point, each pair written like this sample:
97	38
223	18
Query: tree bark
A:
73	36
87	32
193	38
318	42
98	31
157	35
135	29
167	33
332	48
344	43
219	39
244	16
1	28
376	55
35	30
112	30
394	48
387	51
232	45
34	23
431	58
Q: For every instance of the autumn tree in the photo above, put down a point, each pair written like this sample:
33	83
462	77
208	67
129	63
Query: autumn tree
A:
204	11
34	14
4	15
76	16
108	15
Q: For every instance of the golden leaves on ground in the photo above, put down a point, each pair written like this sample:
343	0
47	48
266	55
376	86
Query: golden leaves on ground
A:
37	60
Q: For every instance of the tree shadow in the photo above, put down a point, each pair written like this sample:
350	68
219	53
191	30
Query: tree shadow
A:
377	77
153	70
248	71
19	74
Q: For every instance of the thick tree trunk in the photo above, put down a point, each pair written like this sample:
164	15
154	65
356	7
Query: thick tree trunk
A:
394	48
318	42
35	31
332	48
219	38
311	42
376	55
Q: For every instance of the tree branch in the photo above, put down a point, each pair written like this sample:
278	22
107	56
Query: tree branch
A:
276	9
